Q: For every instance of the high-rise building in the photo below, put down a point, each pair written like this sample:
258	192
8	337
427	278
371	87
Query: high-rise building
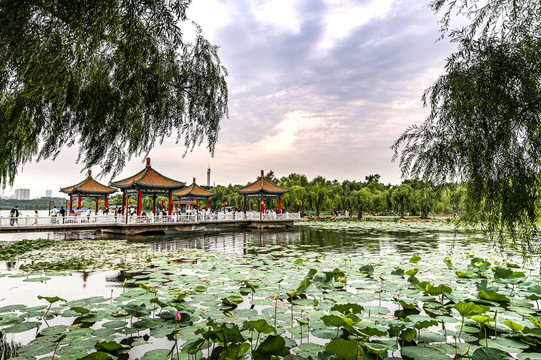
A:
48	193
22	194
208	176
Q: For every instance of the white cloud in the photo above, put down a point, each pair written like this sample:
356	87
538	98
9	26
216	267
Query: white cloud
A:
344	16
280	15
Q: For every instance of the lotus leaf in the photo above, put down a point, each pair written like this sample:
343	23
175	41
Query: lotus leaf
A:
487	353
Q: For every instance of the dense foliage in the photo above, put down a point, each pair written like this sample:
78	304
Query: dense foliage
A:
485	111
112	77
9	252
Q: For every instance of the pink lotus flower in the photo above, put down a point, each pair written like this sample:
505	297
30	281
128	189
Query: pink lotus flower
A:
397	293
308	318
178	316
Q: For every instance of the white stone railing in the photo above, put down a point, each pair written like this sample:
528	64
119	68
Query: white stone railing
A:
142	219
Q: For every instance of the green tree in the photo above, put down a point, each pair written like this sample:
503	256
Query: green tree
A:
362	200
402	199
113	77
484	121
318	191
425	201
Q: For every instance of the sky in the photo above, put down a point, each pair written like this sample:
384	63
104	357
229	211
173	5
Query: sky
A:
316	87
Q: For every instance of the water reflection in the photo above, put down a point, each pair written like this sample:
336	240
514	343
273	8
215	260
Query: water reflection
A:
8	347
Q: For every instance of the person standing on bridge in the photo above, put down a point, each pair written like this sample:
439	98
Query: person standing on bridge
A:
62	213
17	213
36	216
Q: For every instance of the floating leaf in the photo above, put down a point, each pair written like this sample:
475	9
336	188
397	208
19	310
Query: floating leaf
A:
487	353
492	295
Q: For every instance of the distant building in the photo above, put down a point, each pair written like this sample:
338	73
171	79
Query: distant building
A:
208	176
22	194
48	193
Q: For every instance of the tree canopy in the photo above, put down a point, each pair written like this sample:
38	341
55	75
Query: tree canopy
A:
484	122
112	77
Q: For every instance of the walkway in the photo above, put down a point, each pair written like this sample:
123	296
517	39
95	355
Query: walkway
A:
144	224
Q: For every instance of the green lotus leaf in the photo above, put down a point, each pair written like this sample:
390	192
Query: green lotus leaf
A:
376	348
464	274
274	345
423	352
51	299
487	353
348	308
411	272
333	320
367	269
344	349
415	259
492	295
22	327
260	325
470	309
513	325
114	324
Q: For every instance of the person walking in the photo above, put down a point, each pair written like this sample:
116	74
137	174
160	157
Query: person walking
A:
12	217
17	213
36	216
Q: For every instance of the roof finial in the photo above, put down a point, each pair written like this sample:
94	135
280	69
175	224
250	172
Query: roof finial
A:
194	180
262	173
89	173
148	162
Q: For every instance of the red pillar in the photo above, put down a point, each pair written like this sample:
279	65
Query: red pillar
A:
279	204
96	206
154	204
124	203
106	201
245	205
138	203
262	204
71	205
207	204
170	203
79	203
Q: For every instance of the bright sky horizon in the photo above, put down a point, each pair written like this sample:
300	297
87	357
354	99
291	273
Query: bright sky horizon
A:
316	87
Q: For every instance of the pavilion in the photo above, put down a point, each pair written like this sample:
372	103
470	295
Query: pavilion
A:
148	181
193	193
88	188
263	188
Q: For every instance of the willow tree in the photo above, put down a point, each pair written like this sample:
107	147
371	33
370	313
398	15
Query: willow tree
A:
484	123
112	77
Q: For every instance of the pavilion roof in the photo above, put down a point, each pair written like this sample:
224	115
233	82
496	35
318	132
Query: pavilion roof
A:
88	186
193	191
148	179
262	186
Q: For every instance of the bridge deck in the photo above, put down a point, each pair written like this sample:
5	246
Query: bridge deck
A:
139	225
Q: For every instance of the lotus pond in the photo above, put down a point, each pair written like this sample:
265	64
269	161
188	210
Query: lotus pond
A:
325	290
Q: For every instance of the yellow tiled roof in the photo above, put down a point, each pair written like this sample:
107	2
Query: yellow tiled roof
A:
88	186
262	186
148	178
193	191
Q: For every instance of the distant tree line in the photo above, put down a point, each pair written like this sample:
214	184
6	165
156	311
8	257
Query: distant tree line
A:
33	204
